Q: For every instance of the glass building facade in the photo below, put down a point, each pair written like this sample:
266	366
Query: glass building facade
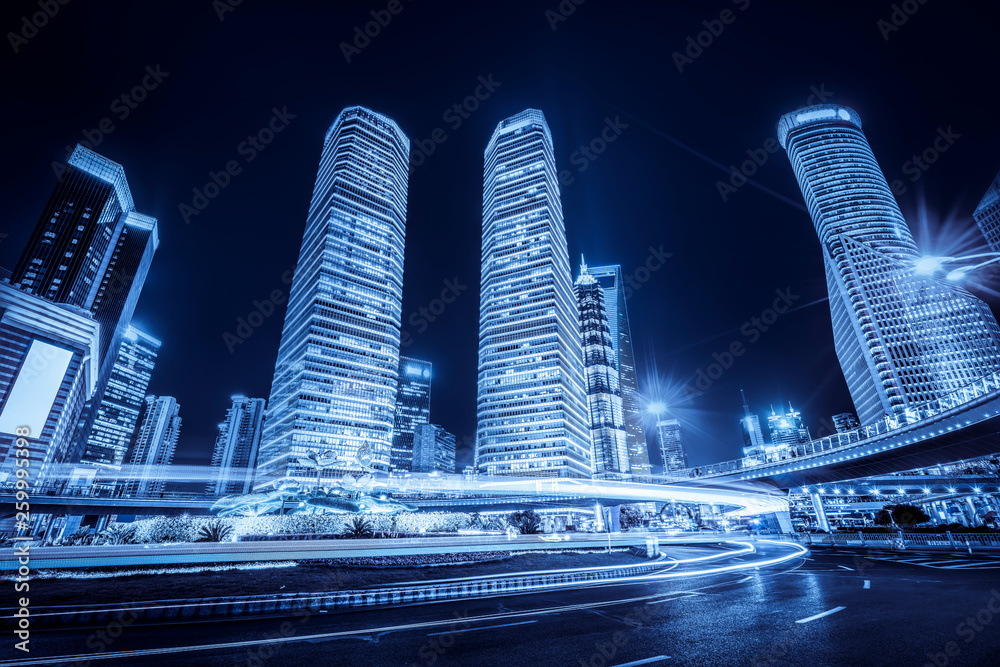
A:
787	430
610	279
118	413
154	446
433	449
92	250
600	370
531	406
671	445
235	455
335	380
903	339
987	215
413	408
48	369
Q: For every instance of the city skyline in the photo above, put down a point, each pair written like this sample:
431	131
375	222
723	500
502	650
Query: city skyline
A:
896	129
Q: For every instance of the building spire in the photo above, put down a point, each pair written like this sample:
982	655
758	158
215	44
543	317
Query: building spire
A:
746	408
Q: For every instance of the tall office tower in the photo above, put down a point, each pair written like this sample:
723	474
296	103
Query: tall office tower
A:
236	447
787	429
531	408
600	370
413	407
903	339
154	446
118	412
610	279
987	215
49	368
845	421
671	445
753	436
433	449
91	249
334	382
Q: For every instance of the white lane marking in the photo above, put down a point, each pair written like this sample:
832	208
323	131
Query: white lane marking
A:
746	578
680	597
486	627
868	583
825	613
850	569
645	661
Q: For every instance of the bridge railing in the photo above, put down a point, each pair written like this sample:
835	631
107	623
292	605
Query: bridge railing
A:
981	387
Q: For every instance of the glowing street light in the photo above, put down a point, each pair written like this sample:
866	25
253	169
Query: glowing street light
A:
657	408
929	265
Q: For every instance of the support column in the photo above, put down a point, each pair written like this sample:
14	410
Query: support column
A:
970	511
821	520
784	521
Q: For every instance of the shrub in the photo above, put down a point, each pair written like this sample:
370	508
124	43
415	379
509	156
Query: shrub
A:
630	516
527	522
358	527
215	531
117	534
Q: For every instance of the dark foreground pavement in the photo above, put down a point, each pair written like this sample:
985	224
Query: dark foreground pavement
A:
831	609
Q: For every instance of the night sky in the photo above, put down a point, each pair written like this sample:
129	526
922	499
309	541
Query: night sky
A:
654	187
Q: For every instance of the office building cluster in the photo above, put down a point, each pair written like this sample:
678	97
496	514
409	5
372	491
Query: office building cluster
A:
557	391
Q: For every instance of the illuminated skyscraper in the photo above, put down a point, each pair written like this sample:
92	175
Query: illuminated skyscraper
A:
671	445
987	215
610	279
845	422
413	407
92	250
335	379
49	368
787	429
903	339
236	447
753	436
119	410
154	446
600	370
433	449
532	409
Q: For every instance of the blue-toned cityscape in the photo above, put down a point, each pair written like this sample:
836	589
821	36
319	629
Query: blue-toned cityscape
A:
660	453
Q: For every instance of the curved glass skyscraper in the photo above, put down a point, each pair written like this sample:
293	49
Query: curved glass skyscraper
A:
532	411
335	378
903	339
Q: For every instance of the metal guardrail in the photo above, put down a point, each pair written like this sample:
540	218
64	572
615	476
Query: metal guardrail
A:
946	539
985	386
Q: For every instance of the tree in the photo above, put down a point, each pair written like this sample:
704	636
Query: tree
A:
903	515
630	516
358	527
909	515
214	531
527	522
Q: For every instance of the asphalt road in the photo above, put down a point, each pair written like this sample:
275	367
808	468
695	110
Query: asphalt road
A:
833	608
